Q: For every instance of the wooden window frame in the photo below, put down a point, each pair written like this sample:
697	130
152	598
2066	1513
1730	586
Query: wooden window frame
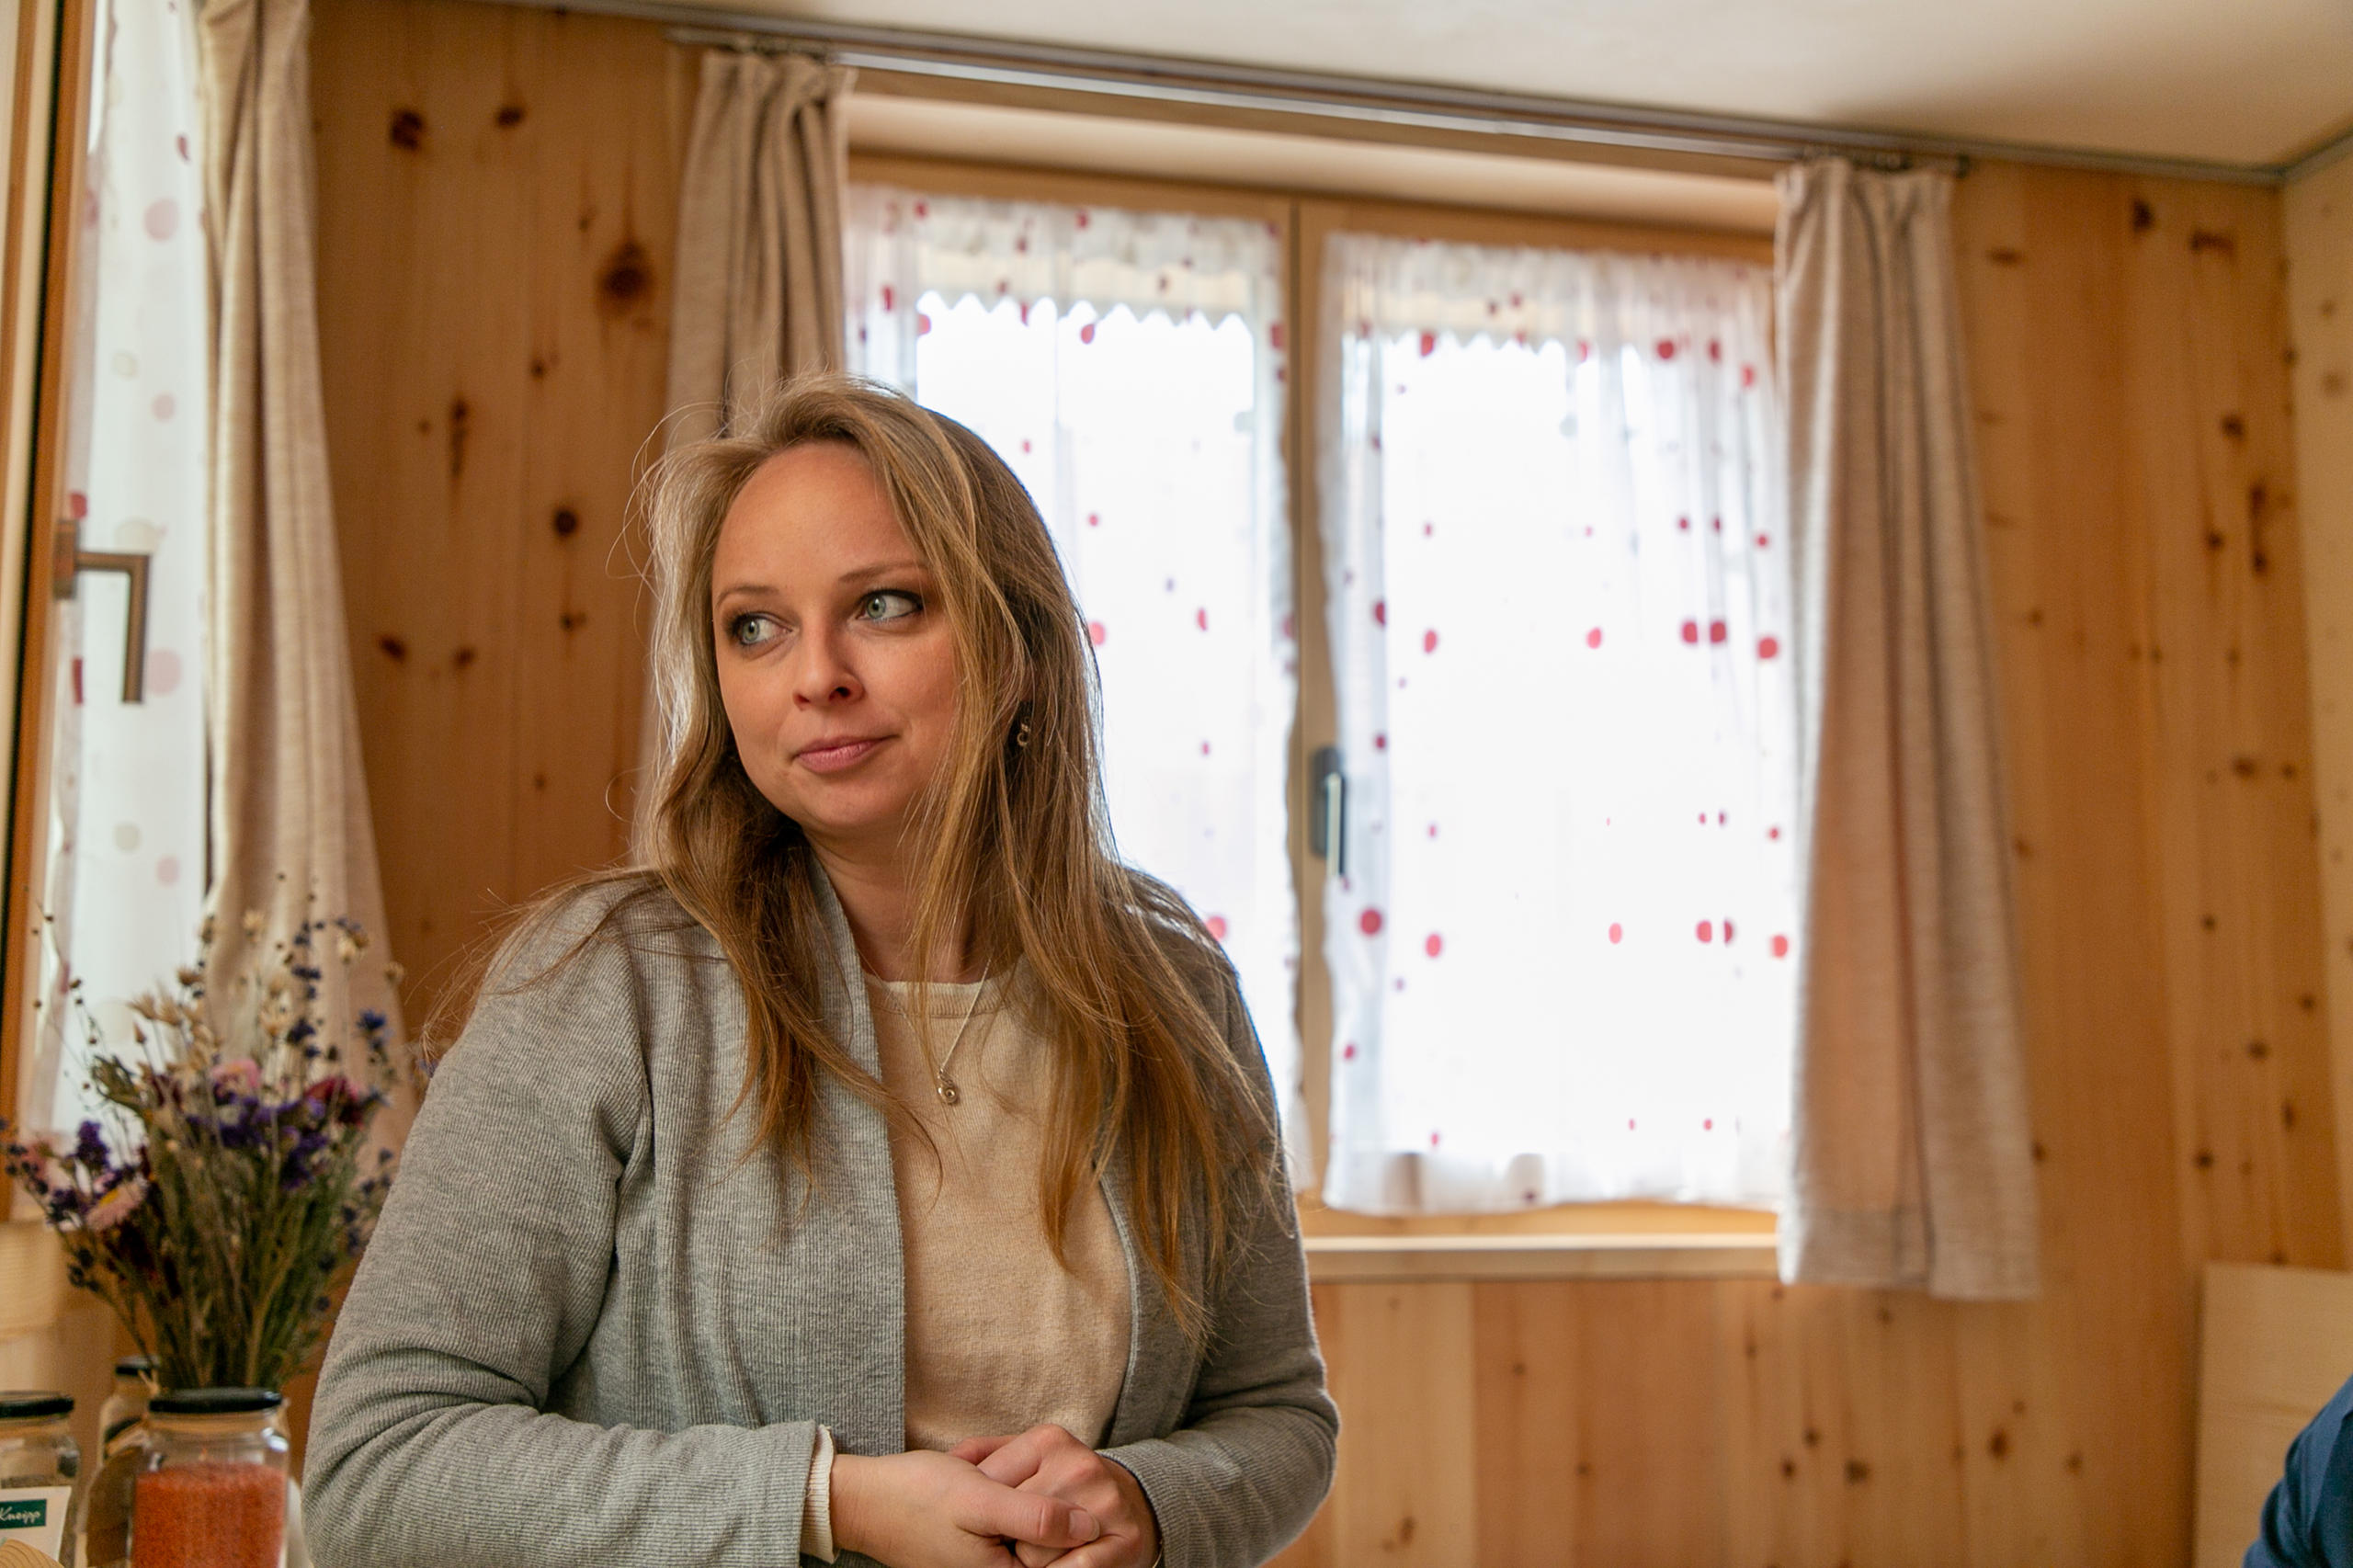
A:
1566	1240
48	135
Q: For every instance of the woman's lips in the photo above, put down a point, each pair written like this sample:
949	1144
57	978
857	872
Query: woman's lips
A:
833	759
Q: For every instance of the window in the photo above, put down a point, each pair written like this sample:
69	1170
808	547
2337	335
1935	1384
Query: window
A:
1537	606
1127	366
1556	595
125	835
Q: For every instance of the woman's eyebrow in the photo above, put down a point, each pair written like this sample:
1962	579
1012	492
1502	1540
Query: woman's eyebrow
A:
719	596
739	590
884	568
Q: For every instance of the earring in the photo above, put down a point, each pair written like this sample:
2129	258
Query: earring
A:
1021	736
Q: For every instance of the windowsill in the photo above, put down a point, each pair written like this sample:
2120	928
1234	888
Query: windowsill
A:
1576	1241
1356	1260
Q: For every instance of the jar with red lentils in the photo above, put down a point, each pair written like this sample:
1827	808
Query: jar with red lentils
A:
211	1488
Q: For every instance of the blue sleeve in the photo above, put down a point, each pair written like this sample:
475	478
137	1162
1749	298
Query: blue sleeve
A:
2308	1518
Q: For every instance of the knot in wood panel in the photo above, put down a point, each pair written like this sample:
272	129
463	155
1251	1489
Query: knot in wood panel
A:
460	425
627	282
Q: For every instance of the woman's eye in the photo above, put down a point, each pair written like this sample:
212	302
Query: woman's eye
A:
892	605
750	630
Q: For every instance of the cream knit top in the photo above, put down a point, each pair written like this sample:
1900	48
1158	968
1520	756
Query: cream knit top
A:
999	1337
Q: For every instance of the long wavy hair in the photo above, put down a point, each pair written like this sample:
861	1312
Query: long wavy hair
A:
1125	982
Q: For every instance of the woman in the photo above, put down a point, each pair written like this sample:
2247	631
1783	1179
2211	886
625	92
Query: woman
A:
882	1170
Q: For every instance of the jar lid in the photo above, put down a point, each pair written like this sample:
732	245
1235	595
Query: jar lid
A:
134	1366
215	1402
28	1404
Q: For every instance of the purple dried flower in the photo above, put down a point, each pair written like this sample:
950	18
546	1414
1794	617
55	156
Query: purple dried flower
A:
297	1169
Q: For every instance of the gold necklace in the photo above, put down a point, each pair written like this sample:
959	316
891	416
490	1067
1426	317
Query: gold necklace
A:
947	1086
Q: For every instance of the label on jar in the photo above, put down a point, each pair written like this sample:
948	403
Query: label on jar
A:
36	1515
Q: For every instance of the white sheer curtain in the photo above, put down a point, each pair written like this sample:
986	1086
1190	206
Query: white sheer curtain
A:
126	831
1558	592
1127	366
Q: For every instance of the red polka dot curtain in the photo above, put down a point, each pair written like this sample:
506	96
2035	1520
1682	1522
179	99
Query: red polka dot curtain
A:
1127	366
126	828
1558	589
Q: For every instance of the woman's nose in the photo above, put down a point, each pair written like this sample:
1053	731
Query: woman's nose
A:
824	672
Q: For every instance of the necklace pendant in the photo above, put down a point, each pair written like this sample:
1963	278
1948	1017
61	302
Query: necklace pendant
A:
947	1095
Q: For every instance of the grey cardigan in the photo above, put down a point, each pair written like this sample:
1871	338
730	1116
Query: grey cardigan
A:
589	1330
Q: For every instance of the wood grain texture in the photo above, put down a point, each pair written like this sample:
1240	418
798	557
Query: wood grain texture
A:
498	193
74	1354
2128	347
39	283
2320	287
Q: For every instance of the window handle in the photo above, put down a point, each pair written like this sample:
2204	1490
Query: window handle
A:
71	560
1327	808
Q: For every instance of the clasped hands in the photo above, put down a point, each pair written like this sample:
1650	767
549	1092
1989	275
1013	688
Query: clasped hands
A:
1040	1498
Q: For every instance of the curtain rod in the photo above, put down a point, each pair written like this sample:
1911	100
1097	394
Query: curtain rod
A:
1327	95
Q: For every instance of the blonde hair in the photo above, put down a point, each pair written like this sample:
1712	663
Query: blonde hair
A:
1126	985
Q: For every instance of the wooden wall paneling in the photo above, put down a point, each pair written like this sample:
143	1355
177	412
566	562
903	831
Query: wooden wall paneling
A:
492	303
1787	1449
2041	641
605	220
2232	770
424	294
1840	1409
1771	1487
2116	1326
73	1354
1597	1407
1902	1454
2318	218
1537	1474
1403	1372
2023	1462
2098	380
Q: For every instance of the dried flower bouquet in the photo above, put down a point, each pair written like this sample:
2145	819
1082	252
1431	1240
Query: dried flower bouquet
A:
221	1199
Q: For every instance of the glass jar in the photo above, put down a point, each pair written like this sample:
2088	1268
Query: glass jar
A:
211	1481
39	1465
134	1384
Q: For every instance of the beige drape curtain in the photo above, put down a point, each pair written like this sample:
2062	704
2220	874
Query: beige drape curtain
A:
290	813
1912	1155
759	270
759	282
